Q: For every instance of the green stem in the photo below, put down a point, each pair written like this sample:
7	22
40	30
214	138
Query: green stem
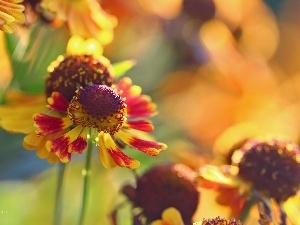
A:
86	182
247	209
59	194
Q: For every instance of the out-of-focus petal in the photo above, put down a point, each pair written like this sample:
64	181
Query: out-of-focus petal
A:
10	13
170	216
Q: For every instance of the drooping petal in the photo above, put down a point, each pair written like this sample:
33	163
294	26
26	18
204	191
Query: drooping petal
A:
32	141
143	125
60	145
140	106
58	103
212	177
80	144
149	147
17	126
107	145
105	158
46	124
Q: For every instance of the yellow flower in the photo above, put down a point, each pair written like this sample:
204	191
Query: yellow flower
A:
84	17
11	12
170	216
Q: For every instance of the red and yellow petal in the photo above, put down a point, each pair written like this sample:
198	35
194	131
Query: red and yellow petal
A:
60	145
143	125
127	89
58	103
79	145
111	156
140	106
149	147
46	124
32	142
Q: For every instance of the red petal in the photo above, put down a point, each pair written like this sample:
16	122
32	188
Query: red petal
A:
143	125
58	103
140	106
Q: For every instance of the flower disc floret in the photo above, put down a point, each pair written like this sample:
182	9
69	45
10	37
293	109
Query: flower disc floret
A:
272	166
70	72
220	221
98	106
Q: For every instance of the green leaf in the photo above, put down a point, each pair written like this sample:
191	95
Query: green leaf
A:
120	68
11	43
30	61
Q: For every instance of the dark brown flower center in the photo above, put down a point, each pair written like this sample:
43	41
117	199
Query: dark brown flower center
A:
67	74
98	106
165	186
273	167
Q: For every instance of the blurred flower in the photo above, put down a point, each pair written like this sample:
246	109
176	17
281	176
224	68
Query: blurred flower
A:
164	186
260	169
11	12
5	66
113	113
77	86
84	17
170	216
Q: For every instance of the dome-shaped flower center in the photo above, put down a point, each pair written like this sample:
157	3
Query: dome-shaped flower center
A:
273	167
67	74
165	186
98	106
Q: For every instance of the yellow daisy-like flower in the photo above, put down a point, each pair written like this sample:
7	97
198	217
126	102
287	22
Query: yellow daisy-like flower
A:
11	12
84	17
170	216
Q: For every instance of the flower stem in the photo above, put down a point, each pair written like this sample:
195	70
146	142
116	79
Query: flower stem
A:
247	209
86	182
58	198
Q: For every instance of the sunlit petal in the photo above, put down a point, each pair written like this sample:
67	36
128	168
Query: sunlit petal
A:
149	147
46	124
60	145
118	156
143	125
